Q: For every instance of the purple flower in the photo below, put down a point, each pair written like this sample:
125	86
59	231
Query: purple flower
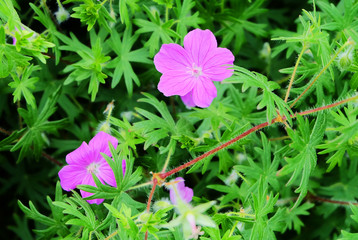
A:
86	160
179	191
189	71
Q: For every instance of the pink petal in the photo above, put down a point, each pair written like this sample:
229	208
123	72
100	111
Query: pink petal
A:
204	92
99	143
71	176
214	65
188	99
88	180
81	156
176	82
105	173
199	43
184	193
172	57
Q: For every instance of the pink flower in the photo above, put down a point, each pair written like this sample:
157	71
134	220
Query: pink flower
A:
86	160
189	71
179	191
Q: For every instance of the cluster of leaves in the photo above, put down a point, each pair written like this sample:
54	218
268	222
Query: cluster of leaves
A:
57	79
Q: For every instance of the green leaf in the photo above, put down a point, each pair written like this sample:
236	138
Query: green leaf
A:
122	63
22	86
158	29
270	100
304	158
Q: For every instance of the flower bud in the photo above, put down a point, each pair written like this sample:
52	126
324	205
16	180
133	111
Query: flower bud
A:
161	204
232	178
104	126
345	59
61	14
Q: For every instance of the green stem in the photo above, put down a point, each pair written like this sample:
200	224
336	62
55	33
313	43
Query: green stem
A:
294	71
167	160
140	185
321	72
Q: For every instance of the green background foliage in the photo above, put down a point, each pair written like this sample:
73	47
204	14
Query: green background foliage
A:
295	180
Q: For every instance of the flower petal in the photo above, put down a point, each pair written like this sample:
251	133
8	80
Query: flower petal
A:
176	82
199	43
214	65
106	174
80	156
204	92
188	99
71	176
88	180
180	191
99	143
172	57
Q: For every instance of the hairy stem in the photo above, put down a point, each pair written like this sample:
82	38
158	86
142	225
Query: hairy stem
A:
321	72
155	182
294	72
244	134
215	150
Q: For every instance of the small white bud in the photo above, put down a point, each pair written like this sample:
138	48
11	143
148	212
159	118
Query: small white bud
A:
61	14
232	178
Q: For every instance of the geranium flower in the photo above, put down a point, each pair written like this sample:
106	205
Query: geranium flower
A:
189	71
86	160
178	190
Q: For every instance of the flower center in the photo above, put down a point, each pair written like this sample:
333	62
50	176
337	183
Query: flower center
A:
92	168
195	71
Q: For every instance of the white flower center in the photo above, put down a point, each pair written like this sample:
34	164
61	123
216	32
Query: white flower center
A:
195	71
93	168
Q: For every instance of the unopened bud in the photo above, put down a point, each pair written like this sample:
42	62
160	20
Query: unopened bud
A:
345	59
161	204
62	14
104	126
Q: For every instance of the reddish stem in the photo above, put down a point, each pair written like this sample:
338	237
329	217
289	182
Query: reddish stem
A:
155	182
188	164
321	199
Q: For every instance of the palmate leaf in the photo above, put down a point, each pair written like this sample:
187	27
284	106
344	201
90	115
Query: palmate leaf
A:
122	46
124	6
263	204
185	17
71	207
37	123
23	84
91	65
156	128
160	32
265	168
348	235
270	100
304	158
90	12
54	224
345	142
45	19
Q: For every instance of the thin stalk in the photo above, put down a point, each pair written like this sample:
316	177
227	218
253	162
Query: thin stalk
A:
155	182
328	106
321	72
321	199
167	161
112	235
294	71
140	185
163	176
215	150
